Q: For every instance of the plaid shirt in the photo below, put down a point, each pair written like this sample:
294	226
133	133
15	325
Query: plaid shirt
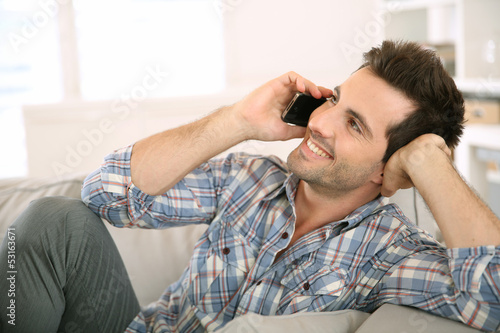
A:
374	255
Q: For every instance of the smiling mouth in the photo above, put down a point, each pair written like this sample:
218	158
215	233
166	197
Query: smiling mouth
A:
318	151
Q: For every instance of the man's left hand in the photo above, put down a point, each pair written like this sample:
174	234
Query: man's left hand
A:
419	156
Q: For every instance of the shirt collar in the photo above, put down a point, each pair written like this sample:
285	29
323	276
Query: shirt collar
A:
289	186
359	214
351	220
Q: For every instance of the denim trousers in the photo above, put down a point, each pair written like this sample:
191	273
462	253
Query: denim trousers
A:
62	272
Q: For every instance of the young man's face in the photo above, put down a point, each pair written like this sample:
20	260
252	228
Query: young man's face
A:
345	140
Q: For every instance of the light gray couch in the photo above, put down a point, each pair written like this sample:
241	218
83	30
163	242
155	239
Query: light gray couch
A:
137	247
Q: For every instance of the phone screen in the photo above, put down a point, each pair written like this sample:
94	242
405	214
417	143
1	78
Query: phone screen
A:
300	108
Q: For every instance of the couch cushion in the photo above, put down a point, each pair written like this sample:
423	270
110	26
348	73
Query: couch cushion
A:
345	321
155	258
398	318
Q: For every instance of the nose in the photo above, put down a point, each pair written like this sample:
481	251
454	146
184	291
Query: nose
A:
321	121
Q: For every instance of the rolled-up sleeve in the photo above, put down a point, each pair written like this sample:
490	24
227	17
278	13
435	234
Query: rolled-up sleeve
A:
476	274
110	193
468	266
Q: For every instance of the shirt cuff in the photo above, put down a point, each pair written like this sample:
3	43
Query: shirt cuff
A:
116	180
138	202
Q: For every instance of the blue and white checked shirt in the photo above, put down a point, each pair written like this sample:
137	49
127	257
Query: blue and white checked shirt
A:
374	255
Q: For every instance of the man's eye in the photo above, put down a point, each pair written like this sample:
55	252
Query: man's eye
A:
333	99
354	125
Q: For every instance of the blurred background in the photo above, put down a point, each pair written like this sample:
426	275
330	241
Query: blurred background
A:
79	78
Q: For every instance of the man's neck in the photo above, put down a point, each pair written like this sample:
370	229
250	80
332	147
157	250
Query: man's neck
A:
314	209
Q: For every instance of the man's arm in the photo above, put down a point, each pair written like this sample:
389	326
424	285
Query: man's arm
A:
463	218
162	160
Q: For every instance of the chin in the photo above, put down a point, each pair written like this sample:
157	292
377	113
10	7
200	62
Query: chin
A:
291	160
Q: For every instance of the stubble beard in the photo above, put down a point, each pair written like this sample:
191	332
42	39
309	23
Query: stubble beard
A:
333	181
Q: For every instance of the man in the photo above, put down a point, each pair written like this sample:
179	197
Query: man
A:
312	234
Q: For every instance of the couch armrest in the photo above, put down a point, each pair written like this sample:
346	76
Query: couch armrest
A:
17	193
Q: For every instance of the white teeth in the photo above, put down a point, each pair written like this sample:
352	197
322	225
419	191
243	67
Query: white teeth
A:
315	149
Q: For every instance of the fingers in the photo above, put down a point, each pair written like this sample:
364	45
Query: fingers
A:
436	140
394	178
304	85
442	145
325	92
386	192
390	187
300	83
387	189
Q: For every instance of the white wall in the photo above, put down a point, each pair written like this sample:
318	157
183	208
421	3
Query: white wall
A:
482	38
68	138
320	39
267	38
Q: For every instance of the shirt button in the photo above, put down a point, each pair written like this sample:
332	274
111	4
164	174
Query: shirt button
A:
285	235
307	286
226	250
258	283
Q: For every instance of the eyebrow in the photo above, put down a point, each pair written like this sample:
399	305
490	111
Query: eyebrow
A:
359	117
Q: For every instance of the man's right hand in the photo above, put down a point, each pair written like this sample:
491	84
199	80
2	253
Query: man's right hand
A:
261	110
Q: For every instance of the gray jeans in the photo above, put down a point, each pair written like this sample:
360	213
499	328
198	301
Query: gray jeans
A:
67	274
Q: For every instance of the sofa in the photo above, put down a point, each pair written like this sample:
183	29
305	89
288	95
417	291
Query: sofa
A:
138	249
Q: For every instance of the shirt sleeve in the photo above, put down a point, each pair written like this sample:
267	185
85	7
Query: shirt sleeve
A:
476	276
110	193
460	284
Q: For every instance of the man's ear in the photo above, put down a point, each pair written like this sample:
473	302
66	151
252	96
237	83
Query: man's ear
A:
378	174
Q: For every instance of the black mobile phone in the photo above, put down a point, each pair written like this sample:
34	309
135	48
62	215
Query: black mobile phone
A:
300	108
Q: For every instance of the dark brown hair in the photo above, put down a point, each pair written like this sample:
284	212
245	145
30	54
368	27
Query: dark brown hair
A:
420	75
